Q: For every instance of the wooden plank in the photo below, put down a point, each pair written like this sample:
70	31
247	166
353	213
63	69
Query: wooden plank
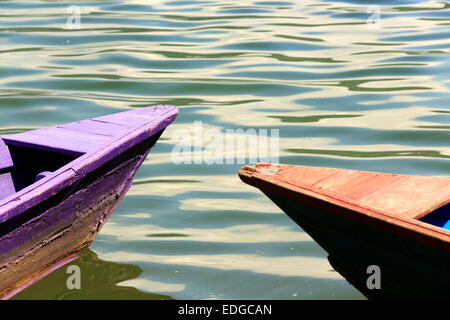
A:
394	194
78	138
130	120
135	117
5	157
6	185
96	127
58	139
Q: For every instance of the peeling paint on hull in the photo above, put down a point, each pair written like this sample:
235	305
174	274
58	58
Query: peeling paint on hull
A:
81	216
84	169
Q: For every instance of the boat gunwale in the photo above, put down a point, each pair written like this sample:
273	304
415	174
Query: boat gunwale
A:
75	170
253	175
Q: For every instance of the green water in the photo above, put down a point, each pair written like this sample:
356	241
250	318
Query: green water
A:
341	92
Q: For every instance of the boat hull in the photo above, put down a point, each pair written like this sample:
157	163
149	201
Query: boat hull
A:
56	229
369	223
408	269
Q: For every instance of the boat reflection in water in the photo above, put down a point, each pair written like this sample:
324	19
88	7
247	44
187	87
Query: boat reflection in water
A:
99	280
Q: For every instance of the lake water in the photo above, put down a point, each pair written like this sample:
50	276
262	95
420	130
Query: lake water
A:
344	89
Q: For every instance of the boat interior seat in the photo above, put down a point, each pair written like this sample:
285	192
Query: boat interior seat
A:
6	163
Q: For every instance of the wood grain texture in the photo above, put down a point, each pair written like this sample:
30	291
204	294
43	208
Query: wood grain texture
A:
6	185
60	214
78	138
5	157
389	193
70	141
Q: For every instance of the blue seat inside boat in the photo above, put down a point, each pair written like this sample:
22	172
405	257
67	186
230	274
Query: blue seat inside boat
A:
439	217
6	181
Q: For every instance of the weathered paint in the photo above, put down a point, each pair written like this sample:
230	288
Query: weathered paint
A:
315	185
414	256
63	229
151	121
6	185
387	193
61	213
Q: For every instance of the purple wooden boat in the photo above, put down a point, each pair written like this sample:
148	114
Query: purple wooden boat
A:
59	185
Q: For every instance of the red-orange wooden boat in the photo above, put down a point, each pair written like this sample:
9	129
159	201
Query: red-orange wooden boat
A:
400	223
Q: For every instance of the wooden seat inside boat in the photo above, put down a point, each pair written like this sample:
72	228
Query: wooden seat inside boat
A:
6	182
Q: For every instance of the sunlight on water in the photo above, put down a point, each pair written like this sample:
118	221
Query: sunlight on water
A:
342	92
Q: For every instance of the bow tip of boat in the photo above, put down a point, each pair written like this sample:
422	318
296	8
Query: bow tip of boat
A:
266	169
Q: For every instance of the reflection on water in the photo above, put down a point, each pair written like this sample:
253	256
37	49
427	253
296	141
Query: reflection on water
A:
99	280
341	94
